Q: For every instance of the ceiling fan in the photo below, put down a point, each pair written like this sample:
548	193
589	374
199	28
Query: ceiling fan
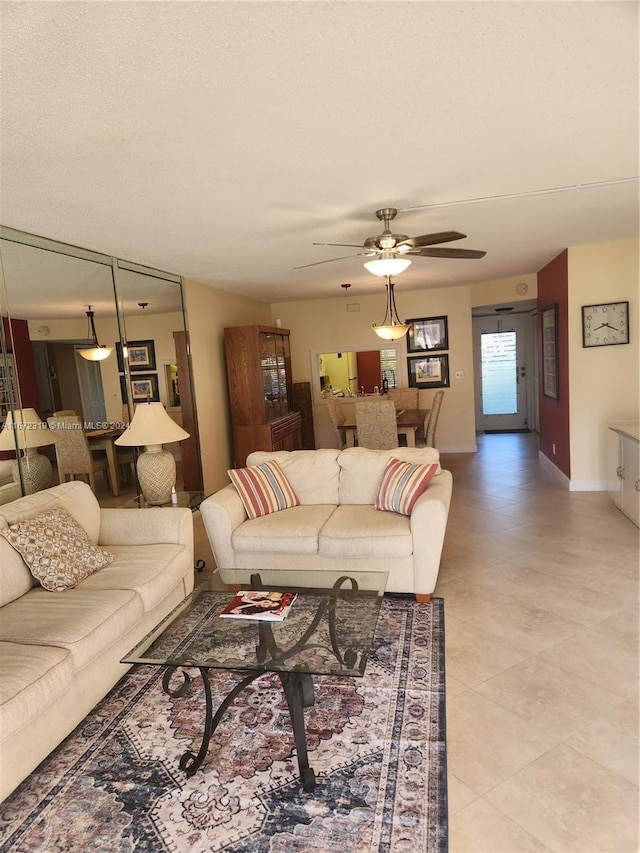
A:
390	251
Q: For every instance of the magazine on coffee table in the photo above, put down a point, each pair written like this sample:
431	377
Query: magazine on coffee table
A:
259	604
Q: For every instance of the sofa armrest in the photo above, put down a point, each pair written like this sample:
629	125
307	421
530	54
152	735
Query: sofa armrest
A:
428	526
152	526
222	513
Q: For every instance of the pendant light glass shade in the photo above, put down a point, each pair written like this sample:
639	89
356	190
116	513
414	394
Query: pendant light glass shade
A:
391	327
387	264
96	352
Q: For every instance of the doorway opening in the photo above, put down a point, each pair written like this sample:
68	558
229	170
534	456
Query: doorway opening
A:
505	367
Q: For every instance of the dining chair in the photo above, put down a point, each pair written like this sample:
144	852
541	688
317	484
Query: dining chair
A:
404	398
73	454
431	421
376	424
338	417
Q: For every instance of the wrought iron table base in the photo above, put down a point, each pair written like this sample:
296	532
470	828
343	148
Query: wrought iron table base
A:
298	690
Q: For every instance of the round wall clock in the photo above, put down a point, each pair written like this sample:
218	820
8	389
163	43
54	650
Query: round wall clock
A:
605	324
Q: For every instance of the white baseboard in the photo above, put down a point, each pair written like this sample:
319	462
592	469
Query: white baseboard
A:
552	468
573	485
589	486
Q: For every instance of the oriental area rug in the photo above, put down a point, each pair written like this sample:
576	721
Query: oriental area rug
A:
377	745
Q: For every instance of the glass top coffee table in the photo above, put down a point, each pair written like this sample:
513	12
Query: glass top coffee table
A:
328	632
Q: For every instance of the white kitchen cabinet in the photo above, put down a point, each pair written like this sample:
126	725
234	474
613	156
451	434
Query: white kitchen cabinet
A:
627	496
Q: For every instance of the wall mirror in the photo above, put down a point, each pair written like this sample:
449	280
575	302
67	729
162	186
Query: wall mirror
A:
45	290
351	372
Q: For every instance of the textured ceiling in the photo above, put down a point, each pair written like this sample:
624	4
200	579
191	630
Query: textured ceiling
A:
221	140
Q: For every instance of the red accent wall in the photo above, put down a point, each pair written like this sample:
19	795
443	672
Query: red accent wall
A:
19	344
553	287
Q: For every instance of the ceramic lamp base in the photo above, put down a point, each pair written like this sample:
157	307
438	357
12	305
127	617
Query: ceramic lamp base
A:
157	476
36	471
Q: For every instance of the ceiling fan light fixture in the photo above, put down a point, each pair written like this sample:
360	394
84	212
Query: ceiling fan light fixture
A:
95	351
387	264
391	327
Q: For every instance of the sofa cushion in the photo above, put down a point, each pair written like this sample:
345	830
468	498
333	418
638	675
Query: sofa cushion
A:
263	489
293	531
76	497
150	570
402	484
86	622
56	549
362	469
359	531
313	474
33	677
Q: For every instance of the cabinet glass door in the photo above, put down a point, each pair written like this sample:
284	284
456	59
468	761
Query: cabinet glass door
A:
270	383
282	374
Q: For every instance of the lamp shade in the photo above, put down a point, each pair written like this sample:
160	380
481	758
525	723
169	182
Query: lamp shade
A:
387	264
151	425
24	429
98	353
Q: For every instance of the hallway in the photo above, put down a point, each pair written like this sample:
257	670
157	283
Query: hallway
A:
541	606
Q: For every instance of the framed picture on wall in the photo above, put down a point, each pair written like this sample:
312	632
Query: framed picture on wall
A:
141	355
549	322
427	333
144	389
430	371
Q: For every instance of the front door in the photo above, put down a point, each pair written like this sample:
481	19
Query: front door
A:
501	372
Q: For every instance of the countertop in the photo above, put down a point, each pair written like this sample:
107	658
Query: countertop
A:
629	428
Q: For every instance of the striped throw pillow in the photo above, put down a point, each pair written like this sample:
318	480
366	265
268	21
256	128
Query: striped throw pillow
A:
402	484
263	489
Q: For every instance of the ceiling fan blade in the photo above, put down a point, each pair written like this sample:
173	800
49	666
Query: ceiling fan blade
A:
348	245
432	239
447	253
317	263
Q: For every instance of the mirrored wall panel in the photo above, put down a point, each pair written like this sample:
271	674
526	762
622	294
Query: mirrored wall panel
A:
88	336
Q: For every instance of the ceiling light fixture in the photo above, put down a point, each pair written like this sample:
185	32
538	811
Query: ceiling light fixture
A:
391	327
95	352
387	264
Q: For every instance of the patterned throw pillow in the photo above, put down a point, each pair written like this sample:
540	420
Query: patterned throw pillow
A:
402	484
56	549
263	489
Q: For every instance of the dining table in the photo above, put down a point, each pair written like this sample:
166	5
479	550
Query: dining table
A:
408	422
104	439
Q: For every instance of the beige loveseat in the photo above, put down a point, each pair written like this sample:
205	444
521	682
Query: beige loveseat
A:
336	526
60	651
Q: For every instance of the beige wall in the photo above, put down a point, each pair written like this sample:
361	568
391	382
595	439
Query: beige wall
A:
604	381
208	311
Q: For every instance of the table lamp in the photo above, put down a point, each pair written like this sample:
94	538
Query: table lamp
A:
152	427
25	431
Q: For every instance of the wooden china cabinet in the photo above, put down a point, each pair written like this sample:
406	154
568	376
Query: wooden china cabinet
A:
261	391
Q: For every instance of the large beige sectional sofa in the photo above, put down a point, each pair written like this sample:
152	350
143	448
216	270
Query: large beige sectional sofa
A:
60	651
336	527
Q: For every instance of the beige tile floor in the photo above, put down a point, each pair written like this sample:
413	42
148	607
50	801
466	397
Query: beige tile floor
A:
541	611
541	617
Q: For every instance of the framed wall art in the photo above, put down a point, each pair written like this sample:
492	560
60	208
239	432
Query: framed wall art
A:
144	389
549	322
430	371
141	355
427	333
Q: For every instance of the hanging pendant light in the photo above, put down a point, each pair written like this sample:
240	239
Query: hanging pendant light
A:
96	352
391	327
